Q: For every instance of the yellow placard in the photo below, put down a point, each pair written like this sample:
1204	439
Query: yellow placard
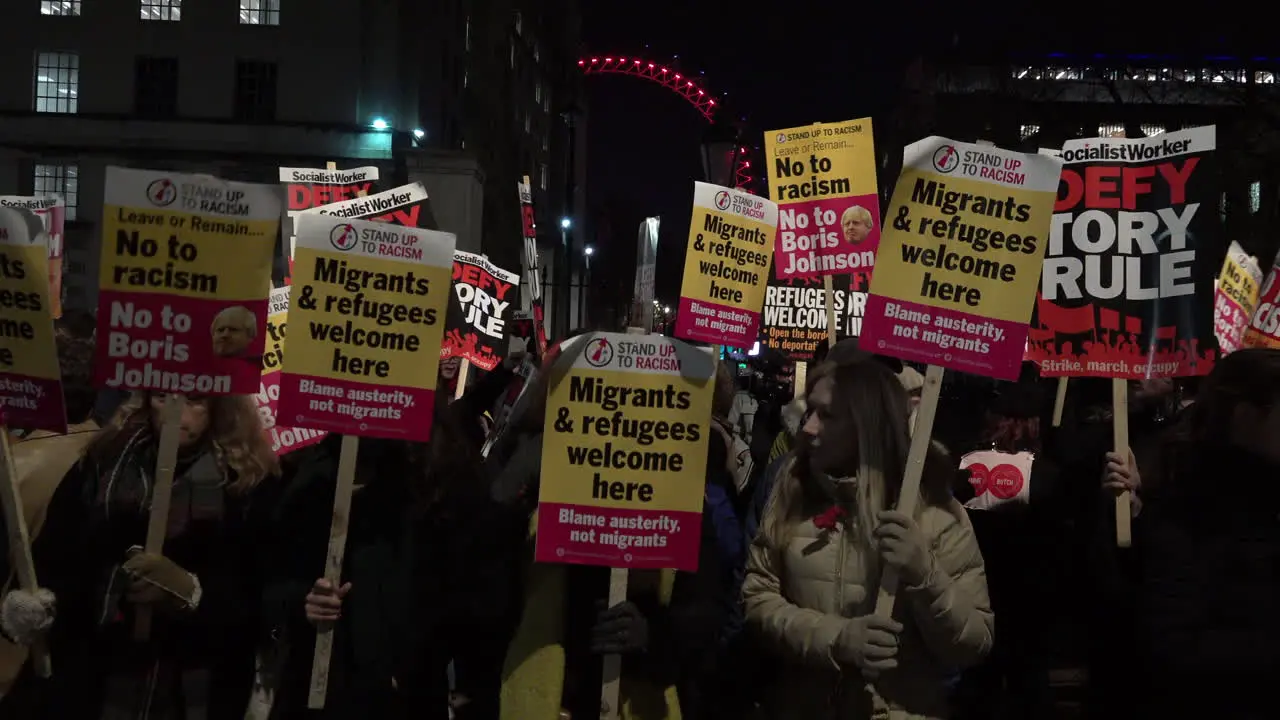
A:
277	326
30	384
726	266
1238	282
965	245
958	266
634	439
366	315
382	332
187	236
822	160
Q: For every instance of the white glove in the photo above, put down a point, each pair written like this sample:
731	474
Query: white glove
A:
869	643
25	616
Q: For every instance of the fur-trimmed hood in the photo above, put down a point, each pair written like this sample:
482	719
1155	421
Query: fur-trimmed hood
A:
792	414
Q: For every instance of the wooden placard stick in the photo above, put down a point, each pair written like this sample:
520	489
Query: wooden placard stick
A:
322	658
909	496
612	675
19	541
1059	401
1120	434
908	499
464	369
158	520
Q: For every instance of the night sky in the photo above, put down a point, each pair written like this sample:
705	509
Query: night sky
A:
806	64
780	65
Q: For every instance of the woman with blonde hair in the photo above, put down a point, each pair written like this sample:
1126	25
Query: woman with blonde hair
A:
826	538
203	592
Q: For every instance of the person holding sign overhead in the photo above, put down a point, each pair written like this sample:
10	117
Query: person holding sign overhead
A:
826	538
203	592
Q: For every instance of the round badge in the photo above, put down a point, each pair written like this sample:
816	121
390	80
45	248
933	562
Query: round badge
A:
979	478
1006	481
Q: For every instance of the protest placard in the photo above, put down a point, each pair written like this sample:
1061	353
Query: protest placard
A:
267	399
52	211
1131	259
184	279
307	188
998	478
726	266
485	298
30	381
1235	298
823	177
624	454
406	206
532	269
960	259
1264	328
794	322
367	305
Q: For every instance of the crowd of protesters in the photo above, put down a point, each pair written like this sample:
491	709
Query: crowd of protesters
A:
442	612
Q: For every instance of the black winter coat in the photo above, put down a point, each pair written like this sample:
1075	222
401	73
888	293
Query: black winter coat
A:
427	588
91	641
1209	613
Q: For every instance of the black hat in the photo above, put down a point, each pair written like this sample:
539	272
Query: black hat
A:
847	352
1018	400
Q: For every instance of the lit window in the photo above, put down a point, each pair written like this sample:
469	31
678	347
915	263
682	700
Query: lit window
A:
1255	196
259	12
1026	131
467	34
1222	207
519	23
542	176
546	101
537	55
1262	77
528	124
537	91
546	142
57	82
513	54
60	180
1152	130
60	7
1111	130
1225	76
466	78
161	10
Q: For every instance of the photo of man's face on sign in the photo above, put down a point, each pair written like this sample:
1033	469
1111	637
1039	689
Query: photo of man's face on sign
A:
233	330
856	223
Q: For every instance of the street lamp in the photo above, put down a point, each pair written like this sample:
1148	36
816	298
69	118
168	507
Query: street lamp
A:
565	223
720	147
379	124
419	133
588	251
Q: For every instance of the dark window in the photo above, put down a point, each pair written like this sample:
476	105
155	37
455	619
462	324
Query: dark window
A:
255	91
155	89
